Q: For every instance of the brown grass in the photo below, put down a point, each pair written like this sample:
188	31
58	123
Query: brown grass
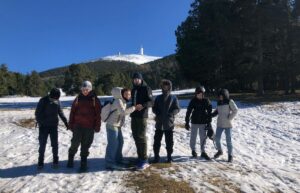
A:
180	125
149	181
224	184
161	165
26	123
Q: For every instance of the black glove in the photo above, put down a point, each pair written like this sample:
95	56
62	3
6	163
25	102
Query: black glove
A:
40	124
187	126
67	125
208	126
210	131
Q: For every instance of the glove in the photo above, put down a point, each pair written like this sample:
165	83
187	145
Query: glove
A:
187	126
67	125
210	132
208	126
97	130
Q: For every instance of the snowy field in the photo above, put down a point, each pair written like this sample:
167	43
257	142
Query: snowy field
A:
266	143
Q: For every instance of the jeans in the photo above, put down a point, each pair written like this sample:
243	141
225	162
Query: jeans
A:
202	133
228	139
114	146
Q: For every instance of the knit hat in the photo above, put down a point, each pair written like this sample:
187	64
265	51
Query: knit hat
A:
137	75
200	89
87	85
54	93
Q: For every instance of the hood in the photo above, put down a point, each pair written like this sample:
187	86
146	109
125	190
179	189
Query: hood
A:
116	92
168	83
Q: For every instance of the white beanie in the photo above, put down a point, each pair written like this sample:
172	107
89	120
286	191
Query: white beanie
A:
87	84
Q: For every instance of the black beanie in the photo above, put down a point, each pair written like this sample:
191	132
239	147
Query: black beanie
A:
137	75
54	93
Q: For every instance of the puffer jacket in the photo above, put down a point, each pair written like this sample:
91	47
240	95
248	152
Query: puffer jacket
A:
226	111
119	106
85	112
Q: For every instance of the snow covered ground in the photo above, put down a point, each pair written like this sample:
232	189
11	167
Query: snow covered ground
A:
266	143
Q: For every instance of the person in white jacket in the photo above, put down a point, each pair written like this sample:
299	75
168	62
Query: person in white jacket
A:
226	111
115	121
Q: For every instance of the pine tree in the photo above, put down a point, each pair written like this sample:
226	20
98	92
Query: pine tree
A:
74	77
34	85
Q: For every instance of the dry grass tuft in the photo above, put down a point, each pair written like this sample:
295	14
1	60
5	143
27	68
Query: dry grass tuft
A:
26	123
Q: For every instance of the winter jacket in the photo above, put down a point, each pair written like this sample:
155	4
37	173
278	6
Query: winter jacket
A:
200	110
86	112
141	94
165	108
119	108
226	111
47	112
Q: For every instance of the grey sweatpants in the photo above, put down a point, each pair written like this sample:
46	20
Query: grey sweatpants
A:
202	133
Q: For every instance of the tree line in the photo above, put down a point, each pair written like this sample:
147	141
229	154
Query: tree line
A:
243	45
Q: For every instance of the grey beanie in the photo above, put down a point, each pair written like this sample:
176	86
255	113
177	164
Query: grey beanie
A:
87	84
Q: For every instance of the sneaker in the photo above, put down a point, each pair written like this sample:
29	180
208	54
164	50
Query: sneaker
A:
205	156
142	165
218	154
230	158
194	154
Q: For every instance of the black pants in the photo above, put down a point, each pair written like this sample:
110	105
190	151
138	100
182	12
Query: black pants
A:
43	136
83	137
168	139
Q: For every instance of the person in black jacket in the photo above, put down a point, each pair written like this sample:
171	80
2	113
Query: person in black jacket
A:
47	111
200	108
165	108
142	99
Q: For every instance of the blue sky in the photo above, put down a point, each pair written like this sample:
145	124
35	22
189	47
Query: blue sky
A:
43	34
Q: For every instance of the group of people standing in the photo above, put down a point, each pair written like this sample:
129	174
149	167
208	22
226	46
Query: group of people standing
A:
85	120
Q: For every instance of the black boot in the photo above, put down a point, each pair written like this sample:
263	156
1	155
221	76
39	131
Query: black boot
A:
194	154
169	160
156	159
70	163
40	162
55	162
230	158
205	156
218	154
83	164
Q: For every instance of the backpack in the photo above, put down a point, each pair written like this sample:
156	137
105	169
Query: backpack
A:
106	110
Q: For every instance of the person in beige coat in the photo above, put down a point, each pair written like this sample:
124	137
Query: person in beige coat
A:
119	109
226	111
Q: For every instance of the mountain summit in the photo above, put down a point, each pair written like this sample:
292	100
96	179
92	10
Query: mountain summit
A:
134	58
